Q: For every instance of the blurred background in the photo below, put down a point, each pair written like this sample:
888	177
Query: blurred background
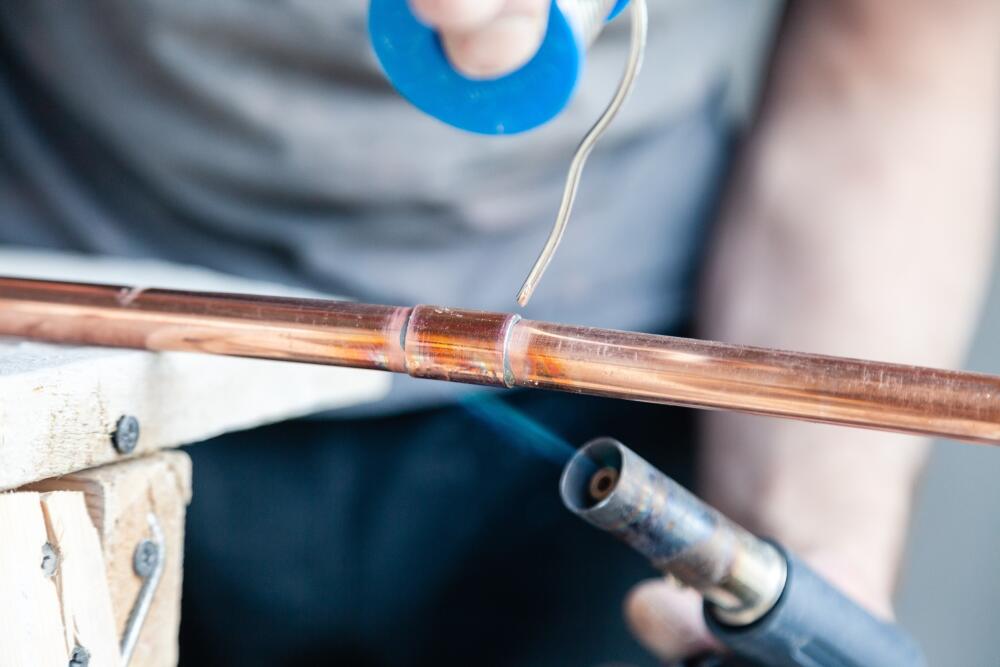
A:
951	581
206	190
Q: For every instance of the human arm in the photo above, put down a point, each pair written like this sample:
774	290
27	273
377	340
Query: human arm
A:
859	223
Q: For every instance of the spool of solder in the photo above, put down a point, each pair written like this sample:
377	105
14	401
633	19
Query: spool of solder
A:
415	63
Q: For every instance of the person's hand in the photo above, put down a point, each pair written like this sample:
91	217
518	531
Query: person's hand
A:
667	618
486	39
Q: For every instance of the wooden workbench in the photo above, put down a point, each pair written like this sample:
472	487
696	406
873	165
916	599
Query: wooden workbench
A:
75	506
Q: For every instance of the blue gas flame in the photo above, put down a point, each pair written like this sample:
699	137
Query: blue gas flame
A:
519	429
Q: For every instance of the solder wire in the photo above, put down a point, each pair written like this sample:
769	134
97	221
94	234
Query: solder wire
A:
637	50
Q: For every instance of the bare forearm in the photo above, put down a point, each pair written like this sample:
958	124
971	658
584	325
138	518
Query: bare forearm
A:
860	224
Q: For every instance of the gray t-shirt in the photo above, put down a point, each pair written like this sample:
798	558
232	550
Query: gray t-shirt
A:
260	138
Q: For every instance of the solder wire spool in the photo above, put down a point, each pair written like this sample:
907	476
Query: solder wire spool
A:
414	60
415	63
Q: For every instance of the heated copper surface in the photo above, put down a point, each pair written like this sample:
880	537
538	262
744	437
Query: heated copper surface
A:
504	350
327	332
681	371
458	345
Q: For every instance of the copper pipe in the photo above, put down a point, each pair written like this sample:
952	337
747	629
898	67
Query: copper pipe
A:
505	350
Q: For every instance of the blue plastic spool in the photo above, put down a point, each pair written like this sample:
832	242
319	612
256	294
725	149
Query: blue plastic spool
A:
415	63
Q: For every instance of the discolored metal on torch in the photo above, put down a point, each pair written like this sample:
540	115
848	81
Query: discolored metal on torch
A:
740	574
504	350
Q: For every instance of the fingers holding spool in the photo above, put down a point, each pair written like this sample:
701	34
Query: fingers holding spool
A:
456	15
486	39
490	71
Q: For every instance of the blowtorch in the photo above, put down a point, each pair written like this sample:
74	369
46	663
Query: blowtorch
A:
761	601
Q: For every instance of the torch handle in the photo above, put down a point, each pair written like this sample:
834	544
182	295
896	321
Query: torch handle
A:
815	625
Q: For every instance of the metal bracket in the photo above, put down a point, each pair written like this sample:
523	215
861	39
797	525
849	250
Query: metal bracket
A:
147	562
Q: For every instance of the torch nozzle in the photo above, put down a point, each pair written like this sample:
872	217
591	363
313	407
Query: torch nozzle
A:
611	487
761	601
602	483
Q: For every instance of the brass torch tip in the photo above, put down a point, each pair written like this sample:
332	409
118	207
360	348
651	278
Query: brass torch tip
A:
602	483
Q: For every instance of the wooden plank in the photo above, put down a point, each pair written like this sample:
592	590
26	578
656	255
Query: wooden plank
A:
80	578
59	404
45	616
31	630
59	407
118	499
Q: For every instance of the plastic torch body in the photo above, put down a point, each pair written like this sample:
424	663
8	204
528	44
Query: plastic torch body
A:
760	600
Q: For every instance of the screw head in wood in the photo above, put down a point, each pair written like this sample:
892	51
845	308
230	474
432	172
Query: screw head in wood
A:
50	560
145	558
126	434
80	657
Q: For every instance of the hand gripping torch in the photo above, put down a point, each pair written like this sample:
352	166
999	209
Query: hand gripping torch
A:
761	601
